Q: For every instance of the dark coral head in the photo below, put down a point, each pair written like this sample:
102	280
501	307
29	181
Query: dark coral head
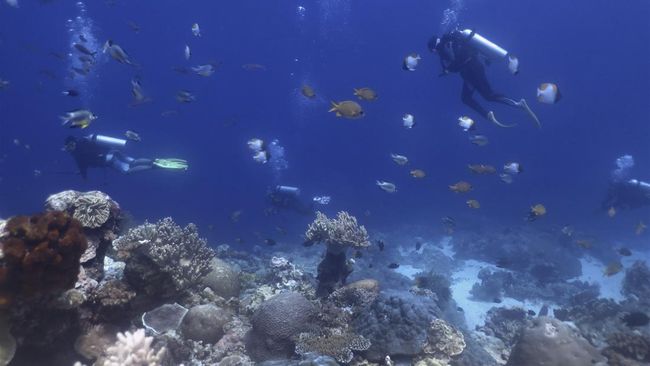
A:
41	255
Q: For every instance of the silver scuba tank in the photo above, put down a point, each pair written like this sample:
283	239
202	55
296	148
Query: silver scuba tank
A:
109	141
483	45
288	190
491	50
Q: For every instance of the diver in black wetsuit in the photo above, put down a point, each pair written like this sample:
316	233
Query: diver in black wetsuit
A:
288	198
97	151
458	55
625	193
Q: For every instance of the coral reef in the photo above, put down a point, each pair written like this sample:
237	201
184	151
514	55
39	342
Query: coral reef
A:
505	324
359	294
223	279
333	342
133	349
205	323
164	318
397	324
7	342
517	249
92	343
40	256
629	346
275	323
160	254
437	284
338	234
522	286
549	342
443	341
637	281
342	232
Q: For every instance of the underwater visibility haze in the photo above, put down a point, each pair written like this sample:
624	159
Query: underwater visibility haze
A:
325	182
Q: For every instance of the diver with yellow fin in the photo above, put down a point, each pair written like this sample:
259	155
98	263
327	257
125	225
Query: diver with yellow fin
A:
464	52
99	151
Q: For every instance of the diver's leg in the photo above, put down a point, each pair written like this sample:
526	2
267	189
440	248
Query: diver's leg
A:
113	160
468	99
138	165
482	85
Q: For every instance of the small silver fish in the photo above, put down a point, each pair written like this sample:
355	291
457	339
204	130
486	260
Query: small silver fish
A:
185	96
411	62
512	168
408	120
513	64
204	70
479	140
466	123
133	136
138	94
117	53
188	53
506	178
83	49
387	186
261	157
196	30
399	159
256	144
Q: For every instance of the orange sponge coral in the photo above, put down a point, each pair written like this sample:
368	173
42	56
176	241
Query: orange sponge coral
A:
39	255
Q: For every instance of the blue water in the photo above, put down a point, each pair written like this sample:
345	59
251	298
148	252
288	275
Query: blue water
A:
596	51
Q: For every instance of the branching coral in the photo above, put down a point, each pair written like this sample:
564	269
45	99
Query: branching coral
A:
178	252
39	255
334	342
133	349
343	231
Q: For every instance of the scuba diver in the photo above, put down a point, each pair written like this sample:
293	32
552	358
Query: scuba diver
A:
464	52
98	151
625	193
288	198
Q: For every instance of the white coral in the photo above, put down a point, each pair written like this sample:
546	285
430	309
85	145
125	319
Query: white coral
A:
133	349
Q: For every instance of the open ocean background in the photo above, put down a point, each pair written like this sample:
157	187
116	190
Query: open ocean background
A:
597	51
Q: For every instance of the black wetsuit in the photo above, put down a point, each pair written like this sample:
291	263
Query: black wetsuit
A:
627	195
457	55
88	153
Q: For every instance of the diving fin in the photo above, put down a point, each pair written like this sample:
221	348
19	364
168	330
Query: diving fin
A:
522	103
173	164
494	120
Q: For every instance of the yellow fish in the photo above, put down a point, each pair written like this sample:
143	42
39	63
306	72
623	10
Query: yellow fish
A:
418	173
612	269
365	93
347	109
461	187
308	91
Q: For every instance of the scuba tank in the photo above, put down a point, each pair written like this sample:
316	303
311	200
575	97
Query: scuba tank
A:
108	141
490	49
288	190
483	45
